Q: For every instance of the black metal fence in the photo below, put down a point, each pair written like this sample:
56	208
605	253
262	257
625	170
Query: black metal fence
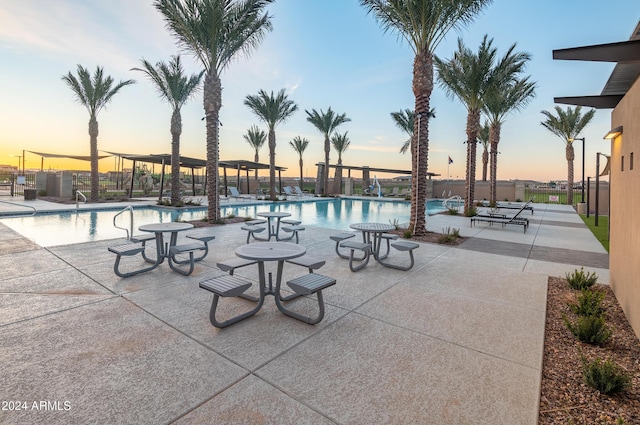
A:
14	184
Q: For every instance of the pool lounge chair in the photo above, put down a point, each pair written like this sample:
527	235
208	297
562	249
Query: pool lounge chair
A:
236	194
503	219
299	191
288	191
507	206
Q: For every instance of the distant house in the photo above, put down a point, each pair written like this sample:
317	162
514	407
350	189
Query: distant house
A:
622	93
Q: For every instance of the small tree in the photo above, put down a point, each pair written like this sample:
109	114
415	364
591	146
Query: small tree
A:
256	138
340	143
299	145
94	93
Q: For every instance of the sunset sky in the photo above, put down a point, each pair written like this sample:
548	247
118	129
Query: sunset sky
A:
327	53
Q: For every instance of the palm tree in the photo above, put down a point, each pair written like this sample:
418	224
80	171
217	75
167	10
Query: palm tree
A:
299	145
176	89
326	123
483	137
468	77
405	120
272	110
215	31
340	143
423	24
567	125
94	93
505	97
256	138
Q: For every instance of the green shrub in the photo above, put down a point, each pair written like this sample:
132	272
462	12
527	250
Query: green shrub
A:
449	235
471	212
395	223
590	329
605	376
407	234
589	303
231	215
452	211
42	192
581	280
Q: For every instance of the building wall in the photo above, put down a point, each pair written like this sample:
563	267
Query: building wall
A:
624	264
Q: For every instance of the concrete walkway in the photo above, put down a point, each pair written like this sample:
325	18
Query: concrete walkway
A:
458	339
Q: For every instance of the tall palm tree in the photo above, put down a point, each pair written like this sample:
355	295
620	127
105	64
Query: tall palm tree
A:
507	96
405	120
340	143
256	138
326	123
483	138
469	76
94	93
423	24
567	125
176	89
299	145
215	31
272	110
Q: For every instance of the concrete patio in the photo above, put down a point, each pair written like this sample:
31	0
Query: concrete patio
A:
456	340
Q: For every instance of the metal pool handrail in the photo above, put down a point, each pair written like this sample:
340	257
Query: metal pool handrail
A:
130	230
456	198
19	205
78	193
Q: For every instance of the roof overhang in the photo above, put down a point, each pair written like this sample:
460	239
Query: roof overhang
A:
625	54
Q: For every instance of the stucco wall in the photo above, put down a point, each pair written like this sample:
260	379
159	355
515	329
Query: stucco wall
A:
624	255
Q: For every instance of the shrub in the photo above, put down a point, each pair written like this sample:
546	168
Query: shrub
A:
42	192
449	236
471	212
581	280
395	223
231	215
452	211
589	303
605	376
589	329
407	234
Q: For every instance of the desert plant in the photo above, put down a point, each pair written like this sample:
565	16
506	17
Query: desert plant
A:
449	235
589	303
231	215
395	223
590	329
472	211
407	234
581	280
452	211
605	376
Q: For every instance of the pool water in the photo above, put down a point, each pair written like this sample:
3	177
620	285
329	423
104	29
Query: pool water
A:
49	229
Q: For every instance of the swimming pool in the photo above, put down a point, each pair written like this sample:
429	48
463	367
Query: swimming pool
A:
52	229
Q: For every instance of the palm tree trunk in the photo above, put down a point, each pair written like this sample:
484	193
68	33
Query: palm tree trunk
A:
494	138
272	164
301	176
337	177
212	102
93	151
473	127
256	158
422	85
327	149
570	157
176	130
485	164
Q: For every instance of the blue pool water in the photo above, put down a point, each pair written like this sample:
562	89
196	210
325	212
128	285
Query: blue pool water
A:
83	226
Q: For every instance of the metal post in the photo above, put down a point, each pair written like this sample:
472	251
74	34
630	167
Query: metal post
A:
588	194
582	200
597	187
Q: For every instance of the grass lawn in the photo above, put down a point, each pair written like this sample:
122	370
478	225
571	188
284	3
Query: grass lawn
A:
602	231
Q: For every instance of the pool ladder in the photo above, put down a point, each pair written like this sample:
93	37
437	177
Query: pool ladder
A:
78	195
455	198
130	229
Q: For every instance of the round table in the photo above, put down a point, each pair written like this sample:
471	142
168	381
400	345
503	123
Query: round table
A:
377	229
159	229
272	230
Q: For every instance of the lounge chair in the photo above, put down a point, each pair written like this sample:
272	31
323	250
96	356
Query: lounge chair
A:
288	191
236	194
503	218
299	191
517	206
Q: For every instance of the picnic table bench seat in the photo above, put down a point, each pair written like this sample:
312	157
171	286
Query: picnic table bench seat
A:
312	283
357	246
290	221
189	249
339	238
251	230
127	250
403	246
227	286
294	232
